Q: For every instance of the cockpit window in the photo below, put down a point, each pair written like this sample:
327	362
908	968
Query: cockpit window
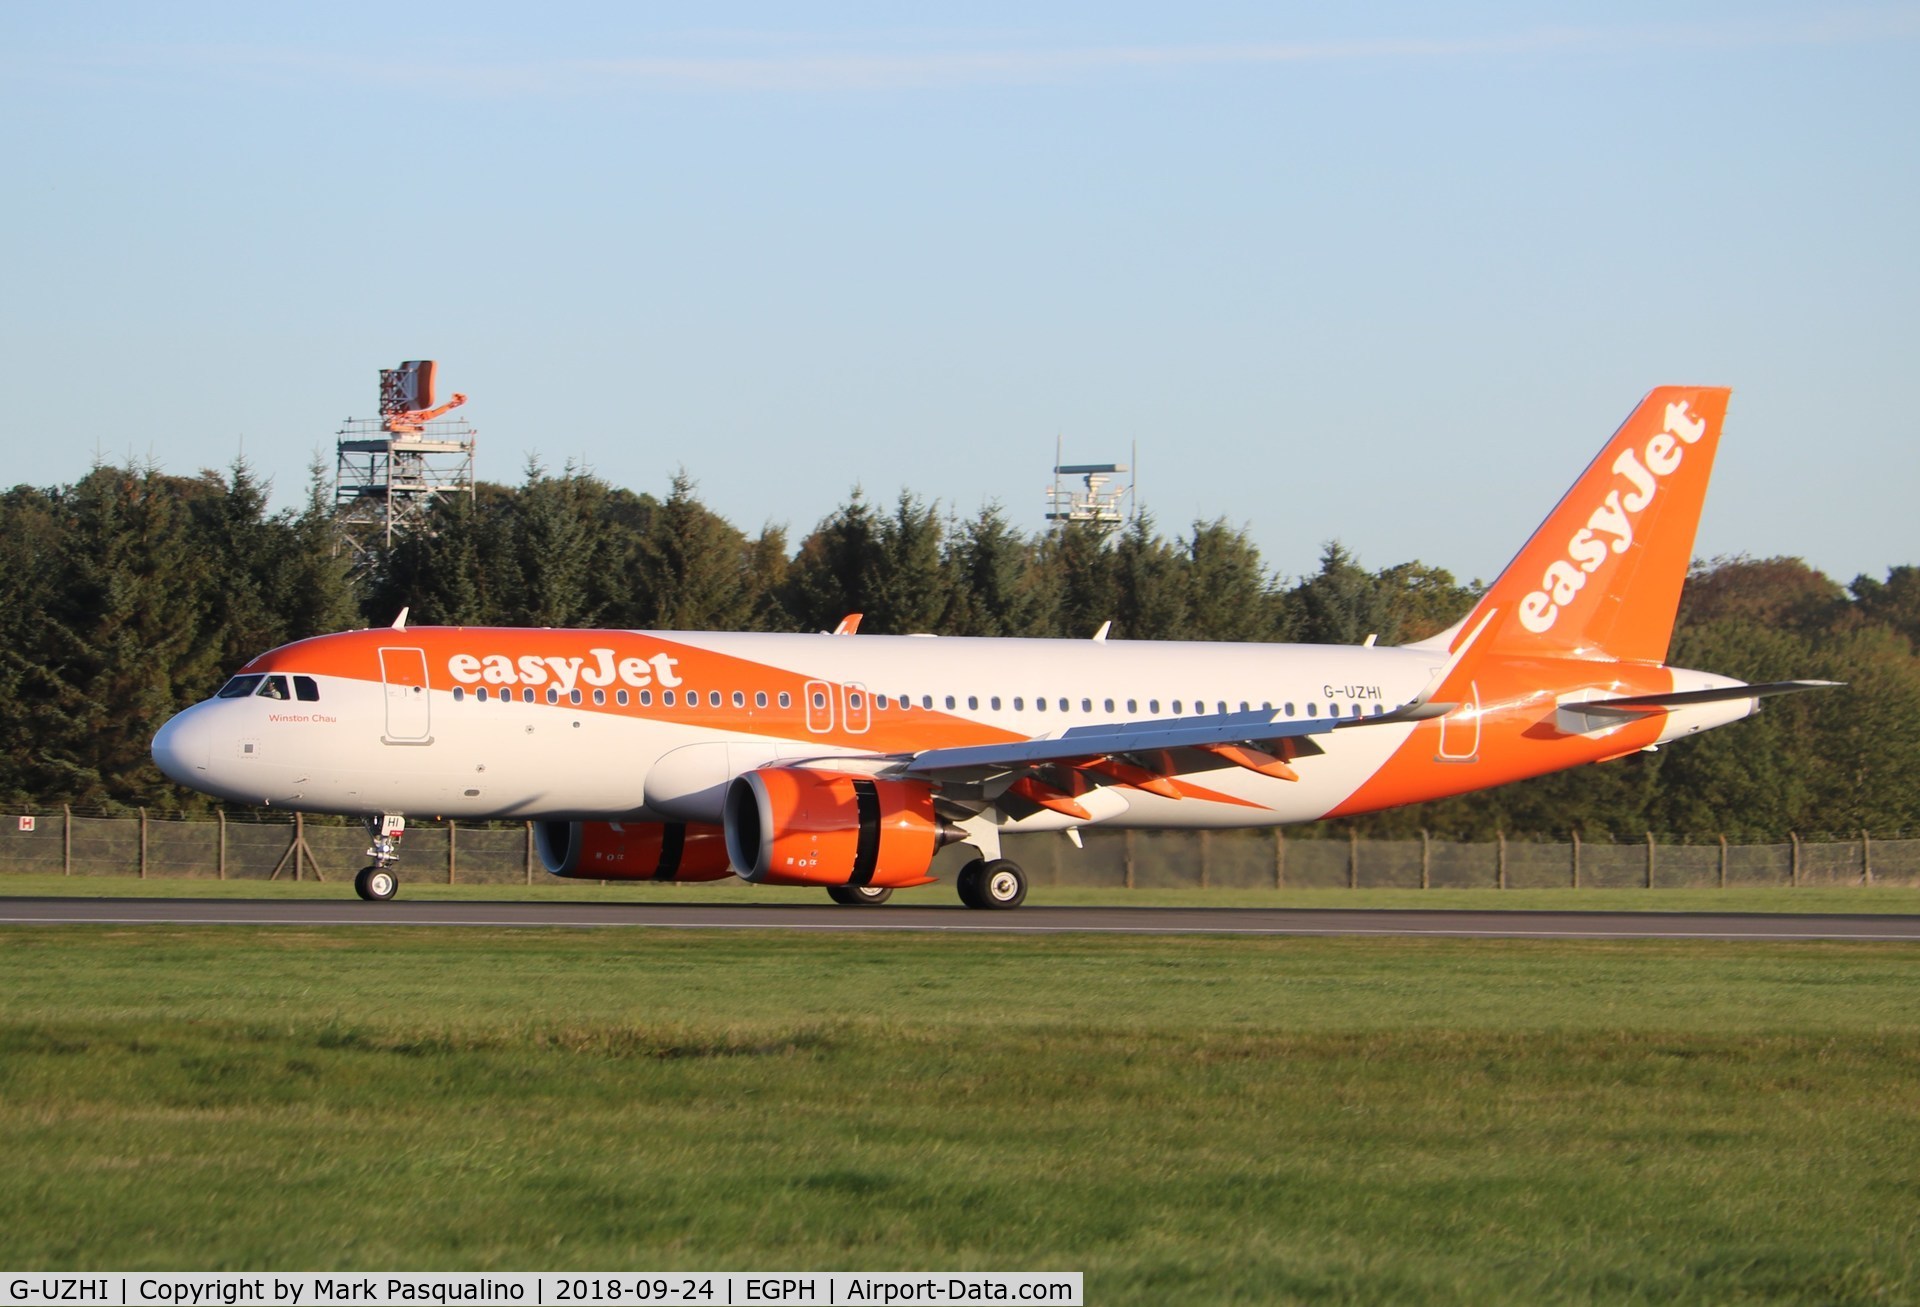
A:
305	689
240	687
274	687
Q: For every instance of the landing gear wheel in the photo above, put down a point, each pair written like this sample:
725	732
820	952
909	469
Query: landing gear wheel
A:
855	896
996	884
376	883
1002	884
968	883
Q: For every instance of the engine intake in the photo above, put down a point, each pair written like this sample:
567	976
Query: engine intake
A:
793	826
642	850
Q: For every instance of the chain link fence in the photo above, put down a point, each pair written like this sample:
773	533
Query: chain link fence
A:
61	842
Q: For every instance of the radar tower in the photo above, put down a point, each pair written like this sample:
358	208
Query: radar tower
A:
390	470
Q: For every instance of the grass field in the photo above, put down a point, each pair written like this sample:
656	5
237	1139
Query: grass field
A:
1806	898
1186	1120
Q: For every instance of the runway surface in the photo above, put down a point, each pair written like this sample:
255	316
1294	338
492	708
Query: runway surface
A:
1026	920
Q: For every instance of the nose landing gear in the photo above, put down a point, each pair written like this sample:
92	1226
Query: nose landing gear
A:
377	882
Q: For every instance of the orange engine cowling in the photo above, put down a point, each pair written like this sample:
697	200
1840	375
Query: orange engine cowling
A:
632	850
791	826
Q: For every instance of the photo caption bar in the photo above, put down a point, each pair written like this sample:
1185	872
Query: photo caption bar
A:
517	1289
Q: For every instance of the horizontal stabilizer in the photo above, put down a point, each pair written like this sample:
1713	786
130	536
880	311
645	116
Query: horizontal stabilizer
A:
1639	704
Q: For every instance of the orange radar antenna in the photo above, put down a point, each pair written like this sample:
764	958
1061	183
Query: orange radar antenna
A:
406	396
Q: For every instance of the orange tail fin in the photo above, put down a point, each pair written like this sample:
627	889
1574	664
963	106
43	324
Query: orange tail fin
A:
1601	577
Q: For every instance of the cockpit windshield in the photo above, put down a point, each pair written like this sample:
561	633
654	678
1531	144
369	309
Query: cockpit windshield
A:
274	686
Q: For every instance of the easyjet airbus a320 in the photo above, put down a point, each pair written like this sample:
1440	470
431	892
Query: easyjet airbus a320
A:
848	762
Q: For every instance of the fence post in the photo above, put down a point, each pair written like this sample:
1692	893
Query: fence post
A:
1866	858
1576	859
1206	858
143	844
1723	861
66	839
453	848
299	844
1793	868
1649	859
1500	857
1426	859
221	815
1279	857
529	853
1128	857
1353	858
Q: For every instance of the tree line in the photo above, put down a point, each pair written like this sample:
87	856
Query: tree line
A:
131	593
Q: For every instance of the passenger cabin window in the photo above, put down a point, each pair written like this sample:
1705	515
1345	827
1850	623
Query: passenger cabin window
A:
759	698
240	687
786	700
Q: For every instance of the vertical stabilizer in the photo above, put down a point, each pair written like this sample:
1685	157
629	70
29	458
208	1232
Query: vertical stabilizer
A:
1601	577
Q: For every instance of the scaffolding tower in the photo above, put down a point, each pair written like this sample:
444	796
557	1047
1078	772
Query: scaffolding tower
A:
1099	500
389	471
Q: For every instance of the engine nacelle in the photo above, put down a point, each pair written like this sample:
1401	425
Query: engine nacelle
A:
793	826
632	850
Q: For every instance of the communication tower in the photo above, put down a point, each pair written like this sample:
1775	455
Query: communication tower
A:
1099	498
390	470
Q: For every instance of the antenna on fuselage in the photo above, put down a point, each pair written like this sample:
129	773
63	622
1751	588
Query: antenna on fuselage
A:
400	622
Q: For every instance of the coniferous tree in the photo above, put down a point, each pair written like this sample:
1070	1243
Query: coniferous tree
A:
997	589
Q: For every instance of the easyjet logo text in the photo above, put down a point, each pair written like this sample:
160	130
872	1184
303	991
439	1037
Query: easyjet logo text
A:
600	668
1609	528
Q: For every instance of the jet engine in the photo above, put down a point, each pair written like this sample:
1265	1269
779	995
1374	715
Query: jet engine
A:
643	850
794	826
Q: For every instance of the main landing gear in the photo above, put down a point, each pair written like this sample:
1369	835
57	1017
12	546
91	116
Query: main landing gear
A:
378	883
992	883
859	895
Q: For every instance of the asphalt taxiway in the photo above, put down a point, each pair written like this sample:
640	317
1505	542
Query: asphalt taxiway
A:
1033	919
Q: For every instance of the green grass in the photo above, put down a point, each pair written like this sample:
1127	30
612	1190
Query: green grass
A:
1184	1119
1809	898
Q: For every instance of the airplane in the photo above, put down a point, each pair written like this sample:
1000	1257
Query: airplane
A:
846	761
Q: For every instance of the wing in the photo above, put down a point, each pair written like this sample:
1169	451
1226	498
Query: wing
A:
1145	754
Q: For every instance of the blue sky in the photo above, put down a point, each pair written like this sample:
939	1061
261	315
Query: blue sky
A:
1387	274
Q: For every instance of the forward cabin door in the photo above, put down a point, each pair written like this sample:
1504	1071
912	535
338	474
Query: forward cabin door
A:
408	707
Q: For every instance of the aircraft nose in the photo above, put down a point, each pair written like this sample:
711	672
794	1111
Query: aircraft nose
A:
182	747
